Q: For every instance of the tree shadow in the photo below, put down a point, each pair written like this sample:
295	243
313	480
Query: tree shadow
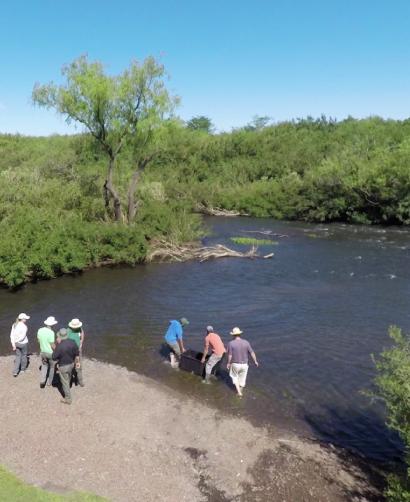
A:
364	445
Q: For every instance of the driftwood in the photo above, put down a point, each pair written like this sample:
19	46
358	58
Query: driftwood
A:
167	251
217	211
264	232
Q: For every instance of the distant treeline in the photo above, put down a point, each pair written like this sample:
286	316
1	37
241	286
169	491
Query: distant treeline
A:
53	218
354	171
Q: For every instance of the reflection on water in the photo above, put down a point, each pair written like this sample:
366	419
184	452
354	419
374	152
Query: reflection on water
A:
314	314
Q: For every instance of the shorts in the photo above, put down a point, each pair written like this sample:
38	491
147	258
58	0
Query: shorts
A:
238	373
175	348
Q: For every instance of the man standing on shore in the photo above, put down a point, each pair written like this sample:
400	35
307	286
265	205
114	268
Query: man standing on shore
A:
76	333
46	339
238	352
173	337
214	341
66	355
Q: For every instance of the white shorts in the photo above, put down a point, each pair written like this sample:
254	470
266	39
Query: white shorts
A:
238	372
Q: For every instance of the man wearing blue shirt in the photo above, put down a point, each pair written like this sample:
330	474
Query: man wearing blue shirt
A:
173	337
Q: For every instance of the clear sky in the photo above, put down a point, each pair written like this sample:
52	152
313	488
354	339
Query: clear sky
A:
228	59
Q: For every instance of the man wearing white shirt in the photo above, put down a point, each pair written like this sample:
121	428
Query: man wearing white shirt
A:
19	342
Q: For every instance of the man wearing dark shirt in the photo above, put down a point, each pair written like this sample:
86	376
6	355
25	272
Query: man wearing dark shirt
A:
238	352
66	354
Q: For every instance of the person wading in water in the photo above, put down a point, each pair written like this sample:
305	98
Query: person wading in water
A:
173	337
238	352
214	341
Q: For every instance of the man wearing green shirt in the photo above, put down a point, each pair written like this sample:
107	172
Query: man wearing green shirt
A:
76	333
46	338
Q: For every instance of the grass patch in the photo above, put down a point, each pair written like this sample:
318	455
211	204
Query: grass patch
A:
253	242
15	490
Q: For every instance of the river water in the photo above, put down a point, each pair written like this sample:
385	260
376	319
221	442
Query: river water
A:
314	314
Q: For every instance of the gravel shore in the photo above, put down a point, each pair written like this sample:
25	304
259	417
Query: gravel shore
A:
129	438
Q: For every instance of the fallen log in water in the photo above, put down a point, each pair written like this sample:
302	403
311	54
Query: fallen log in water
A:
217	211
264	232
167	251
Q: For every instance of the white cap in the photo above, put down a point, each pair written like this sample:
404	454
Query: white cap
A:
23	316
50	321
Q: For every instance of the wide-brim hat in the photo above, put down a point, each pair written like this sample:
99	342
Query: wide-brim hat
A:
75	323
236	331
23	316
62	333
50	321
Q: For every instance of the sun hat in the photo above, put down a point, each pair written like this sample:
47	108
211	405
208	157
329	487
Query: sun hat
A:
50	321
23	316
184	321
62	333
236	331
210	329
75	323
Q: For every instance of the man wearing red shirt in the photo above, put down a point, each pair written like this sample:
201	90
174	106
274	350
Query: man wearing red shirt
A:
214	341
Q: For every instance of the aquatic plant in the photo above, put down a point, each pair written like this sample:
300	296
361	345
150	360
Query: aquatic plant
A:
251	241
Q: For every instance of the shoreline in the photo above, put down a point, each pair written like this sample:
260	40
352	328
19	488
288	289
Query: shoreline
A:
188	246
127	437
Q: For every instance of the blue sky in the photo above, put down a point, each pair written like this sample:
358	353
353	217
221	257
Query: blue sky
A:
228	60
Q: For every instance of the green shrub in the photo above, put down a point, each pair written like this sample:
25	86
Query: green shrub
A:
393	386
40	245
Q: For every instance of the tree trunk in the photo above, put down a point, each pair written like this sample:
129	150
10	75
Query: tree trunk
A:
111	192
132	208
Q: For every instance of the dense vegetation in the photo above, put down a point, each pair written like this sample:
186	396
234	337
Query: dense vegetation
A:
314	170
52	214
53	218
393	383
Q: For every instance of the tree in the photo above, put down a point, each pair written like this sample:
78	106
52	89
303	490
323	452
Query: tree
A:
116	110
258	123
200	123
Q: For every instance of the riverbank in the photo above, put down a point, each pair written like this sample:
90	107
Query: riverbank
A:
128	438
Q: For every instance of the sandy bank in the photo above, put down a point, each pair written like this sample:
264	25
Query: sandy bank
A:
128	438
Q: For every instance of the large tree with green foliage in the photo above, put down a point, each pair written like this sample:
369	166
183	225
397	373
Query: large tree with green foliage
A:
128	108
200	123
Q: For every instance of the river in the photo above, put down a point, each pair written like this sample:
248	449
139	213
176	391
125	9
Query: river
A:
314	314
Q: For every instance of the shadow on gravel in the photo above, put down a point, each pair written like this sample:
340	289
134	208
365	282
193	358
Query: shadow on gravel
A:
342	427
199	459
335	427
362	471
284	475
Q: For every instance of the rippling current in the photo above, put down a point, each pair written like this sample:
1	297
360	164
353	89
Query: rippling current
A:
314	314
